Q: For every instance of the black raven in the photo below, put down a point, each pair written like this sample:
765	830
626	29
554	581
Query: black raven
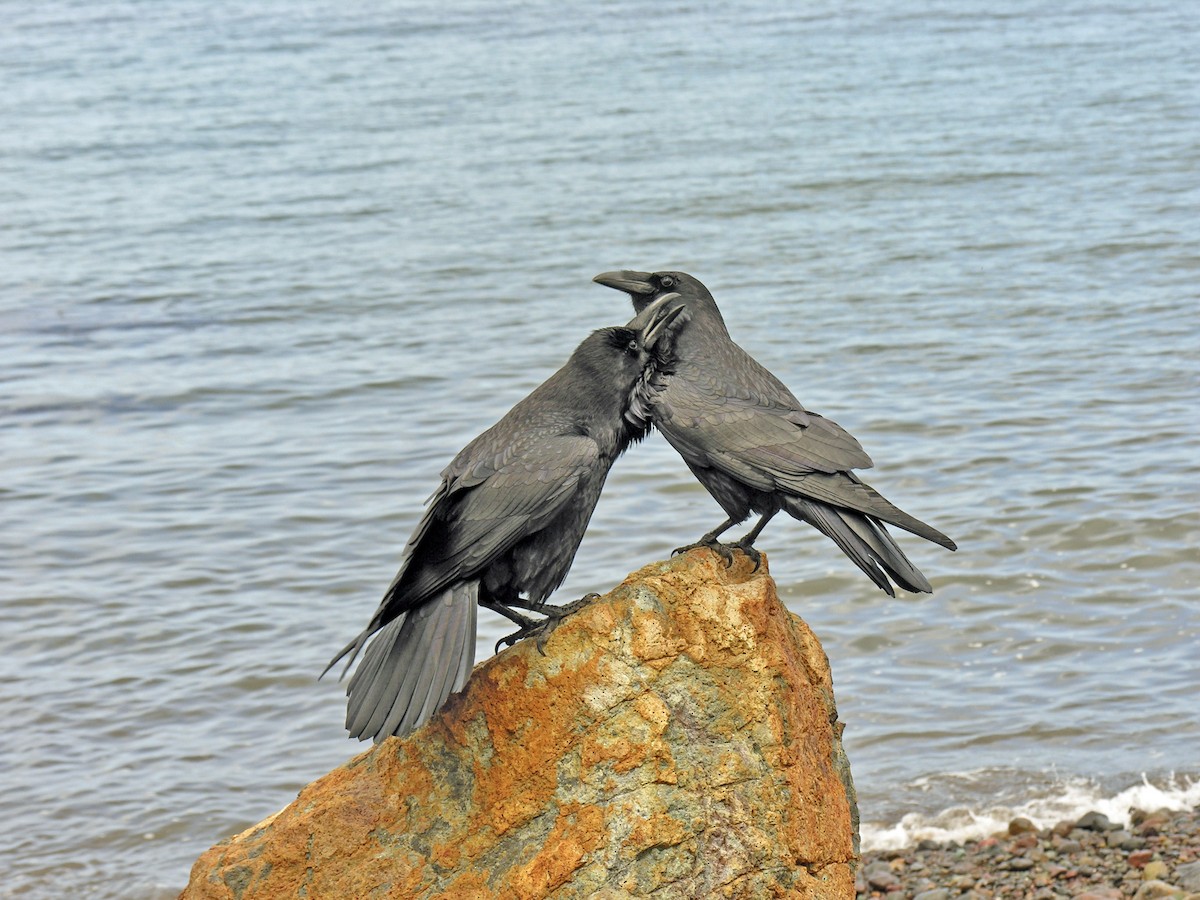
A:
756	449
506	520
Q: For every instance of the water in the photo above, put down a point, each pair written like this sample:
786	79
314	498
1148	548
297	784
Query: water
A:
263	271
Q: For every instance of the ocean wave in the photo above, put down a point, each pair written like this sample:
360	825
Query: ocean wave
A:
1064	800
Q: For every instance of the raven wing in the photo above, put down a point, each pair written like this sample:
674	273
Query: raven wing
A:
733	415
491	497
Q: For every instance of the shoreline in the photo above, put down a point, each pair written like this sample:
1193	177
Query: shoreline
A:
1089	858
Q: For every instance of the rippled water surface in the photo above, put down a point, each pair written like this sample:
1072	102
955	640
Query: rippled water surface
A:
264	270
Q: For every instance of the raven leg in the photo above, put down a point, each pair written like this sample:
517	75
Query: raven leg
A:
524	622
710	541
545	608
746	543
543	629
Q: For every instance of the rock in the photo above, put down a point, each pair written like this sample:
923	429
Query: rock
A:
1123	840
1094	821
935	894
881	877
1021	825
678	738
1188	876
1155	870
860	883
1139	858
1151	889
1062	829
1026	841
1151	824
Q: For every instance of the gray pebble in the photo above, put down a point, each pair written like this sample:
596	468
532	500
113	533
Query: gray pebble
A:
881	877
1188	876
1124	840
1021	825
1094	821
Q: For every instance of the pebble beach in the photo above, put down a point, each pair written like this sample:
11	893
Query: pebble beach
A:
1089	858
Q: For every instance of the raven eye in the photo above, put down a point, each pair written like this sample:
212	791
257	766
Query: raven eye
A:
633	346
666	281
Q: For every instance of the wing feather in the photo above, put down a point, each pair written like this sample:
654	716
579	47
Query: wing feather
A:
477	516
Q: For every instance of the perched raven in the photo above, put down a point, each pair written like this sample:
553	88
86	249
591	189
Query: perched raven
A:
506	520
756	449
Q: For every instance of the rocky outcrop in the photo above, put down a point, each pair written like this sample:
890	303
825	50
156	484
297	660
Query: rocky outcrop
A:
678	740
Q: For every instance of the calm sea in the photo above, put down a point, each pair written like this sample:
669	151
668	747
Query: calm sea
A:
265	268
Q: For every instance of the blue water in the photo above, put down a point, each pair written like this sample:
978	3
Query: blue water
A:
264	270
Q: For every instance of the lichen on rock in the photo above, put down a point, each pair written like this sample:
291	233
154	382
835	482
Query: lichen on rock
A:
678	739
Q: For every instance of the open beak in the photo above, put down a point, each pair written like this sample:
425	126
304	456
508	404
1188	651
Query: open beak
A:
655	320
634	283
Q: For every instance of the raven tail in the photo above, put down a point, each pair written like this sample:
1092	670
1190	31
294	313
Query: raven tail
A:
412	665
865	540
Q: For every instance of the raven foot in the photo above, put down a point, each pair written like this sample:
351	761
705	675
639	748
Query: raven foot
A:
712	544
528	627
543	629
748	548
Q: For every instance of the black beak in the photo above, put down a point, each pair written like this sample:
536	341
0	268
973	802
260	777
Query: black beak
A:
638	284
655	320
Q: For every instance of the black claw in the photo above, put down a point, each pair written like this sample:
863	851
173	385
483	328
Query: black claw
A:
748	549
528	626
521	633
508	640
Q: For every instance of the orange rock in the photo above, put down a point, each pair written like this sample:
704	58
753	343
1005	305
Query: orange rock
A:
679	737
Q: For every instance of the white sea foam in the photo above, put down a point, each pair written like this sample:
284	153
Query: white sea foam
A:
1067	800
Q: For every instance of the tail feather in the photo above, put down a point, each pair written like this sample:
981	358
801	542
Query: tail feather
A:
351	650
865	541
845	491
392	682
874	535
445	677
412	665
369	668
